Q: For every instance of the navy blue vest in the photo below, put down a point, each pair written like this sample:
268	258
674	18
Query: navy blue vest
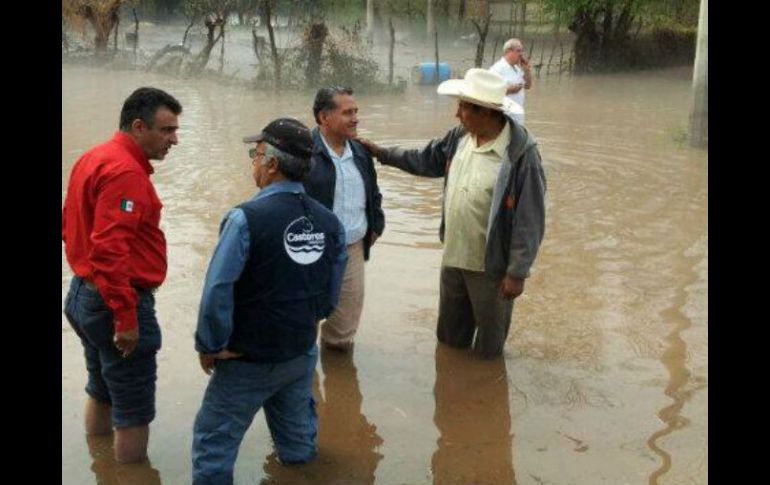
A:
283	288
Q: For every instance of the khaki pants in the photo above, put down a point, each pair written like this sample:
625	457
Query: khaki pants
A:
469	304
341	326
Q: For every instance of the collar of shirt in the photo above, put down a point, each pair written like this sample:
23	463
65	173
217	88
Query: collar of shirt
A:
278	187
499	144
129	144
516	67
346	153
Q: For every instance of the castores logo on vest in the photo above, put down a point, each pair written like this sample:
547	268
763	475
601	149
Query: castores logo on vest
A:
302	244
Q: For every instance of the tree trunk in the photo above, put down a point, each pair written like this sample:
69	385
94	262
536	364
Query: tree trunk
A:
212	23
483	31
222	47
136	32
370	18
377	13
115	37
512	20
430	28
168	49
193	21
557	23
480	9
607	37
437	63
316	36
587	41
64	42
699	116
102	27
101	38
262	16
625	21
102	20
257	43
390	52
461	11
268	7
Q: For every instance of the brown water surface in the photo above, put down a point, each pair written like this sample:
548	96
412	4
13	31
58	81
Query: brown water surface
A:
605	375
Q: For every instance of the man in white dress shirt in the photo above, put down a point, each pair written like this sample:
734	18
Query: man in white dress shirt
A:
515	69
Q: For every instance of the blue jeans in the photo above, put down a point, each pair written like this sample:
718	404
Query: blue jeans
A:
126	384
235	393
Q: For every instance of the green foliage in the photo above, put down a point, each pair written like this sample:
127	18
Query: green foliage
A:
159	9
347	60
661	13
200	8
678	134
668	14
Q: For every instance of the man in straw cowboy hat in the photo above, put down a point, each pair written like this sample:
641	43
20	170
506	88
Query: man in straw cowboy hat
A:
493	215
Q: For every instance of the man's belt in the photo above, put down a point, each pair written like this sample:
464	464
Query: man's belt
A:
93	287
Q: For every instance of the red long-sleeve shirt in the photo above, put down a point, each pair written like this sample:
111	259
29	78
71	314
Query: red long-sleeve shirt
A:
110	225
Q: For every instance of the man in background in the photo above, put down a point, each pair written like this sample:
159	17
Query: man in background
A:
515	69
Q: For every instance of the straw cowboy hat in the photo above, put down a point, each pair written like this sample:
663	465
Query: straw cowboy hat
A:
481	87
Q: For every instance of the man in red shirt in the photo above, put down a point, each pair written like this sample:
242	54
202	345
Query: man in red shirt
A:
114	245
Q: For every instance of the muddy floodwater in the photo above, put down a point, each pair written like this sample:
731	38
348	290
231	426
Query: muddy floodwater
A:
604	380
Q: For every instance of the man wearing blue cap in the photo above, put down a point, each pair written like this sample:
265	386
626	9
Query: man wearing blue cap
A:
276	271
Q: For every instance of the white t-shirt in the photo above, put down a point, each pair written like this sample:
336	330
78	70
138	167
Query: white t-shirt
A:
513	75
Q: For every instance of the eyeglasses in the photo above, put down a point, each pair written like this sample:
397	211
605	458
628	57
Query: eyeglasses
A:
254	154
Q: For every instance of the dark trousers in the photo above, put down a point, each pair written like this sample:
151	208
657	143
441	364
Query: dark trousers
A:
470	306
127	384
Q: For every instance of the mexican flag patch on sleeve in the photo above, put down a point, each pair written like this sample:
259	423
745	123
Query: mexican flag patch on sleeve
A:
126	205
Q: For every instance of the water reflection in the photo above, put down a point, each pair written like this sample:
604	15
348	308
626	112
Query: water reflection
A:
473	418
627	221
110	472
348	443
679	388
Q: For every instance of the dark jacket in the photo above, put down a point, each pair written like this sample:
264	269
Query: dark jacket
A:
321	181
517	216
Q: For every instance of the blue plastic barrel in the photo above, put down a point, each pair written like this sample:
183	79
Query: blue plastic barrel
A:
426	72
